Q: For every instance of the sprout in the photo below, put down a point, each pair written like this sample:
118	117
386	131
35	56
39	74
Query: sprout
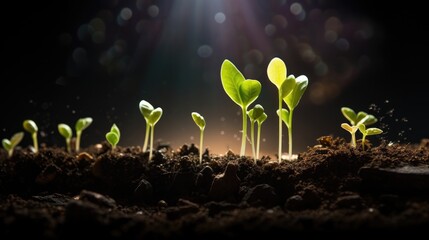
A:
368	132
145	109
356	120
81	125
113	136
31	127
276	72
201	123
243	92
260	120
9	145
254	114
153	118
67	133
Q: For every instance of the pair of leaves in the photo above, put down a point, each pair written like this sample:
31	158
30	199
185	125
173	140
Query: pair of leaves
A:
82	124
114	135
150	114
348	128
257	114
65	130
369	131
243	92
199	120
13	142
30	126
359	118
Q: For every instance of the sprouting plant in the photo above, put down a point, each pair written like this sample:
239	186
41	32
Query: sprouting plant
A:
260	120
356	120
243	92
153	118
113	136
146	109
9	145
254	114
81	124
277	73
31	127
67	133
292	101
201	123
368	132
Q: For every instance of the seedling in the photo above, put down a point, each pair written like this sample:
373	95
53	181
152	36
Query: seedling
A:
356	120
9	145
67	133
201	123
31	127
260	120
113	136
254	114
277	73
146	109
81	125
368	132
243	92
153	118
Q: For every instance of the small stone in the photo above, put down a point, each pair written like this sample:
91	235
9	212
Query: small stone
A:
261	195
225	186
84	156
352	201
294	203
143	191
96	198
162	204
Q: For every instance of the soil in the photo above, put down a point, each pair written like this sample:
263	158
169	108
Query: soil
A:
331	188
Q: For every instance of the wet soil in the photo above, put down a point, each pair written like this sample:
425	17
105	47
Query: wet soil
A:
331	189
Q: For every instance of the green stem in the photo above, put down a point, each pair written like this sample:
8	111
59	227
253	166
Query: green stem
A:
201	145
363	141
243	136
146	138
10	152
68	145
290	134
78	135
35	144
353	143
252	138
258	141
151	143
280	125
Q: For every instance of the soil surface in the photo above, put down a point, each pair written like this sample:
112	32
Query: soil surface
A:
331	188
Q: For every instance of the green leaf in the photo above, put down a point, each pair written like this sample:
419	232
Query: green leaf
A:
199	120
262	118
362	129
16	138
65	130
349	114
348	128
249	91
277	72
373	131
360	116
288	85
294	97
115	129
6	144
112	138
82	124
284	116
370	120
30	126
255	112
231	79
154	116
145	108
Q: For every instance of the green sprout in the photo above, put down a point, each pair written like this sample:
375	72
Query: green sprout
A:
355	121
243	92
67	133
368	132
277	73
113	136
9	145
260	120
153	118
201	123
81	124
31	127
146	109
254	113
292	101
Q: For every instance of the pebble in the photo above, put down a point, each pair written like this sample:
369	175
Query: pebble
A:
96	198
351	201
294	203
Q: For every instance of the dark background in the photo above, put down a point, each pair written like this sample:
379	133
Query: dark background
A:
40	80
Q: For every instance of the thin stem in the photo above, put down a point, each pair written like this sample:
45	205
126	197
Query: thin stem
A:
363	141
10	152
78	135
201	145
258	141
68	145
146	138
280	125
290	133
252	138
151	143
35	144
243	136
353	143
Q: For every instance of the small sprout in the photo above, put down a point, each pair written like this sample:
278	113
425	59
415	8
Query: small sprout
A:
362	118
81	125
146	109
153	118
368	132
352	130
243	92
254	114
201	123
67	133
9	145
31	127
113	136
260	120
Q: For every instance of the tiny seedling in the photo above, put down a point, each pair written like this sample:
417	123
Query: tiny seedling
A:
146	109
356	120
254	114
277	73
9	145
67	133
260	120
31	127
368	132
153	118
243	92
81	125
201	123
113	136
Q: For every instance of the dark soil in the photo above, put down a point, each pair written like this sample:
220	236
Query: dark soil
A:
331	188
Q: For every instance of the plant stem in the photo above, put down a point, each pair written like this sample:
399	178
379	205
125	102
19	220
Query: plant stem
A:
201	145
252	138
363	141
280	126
353	143
35	144
258	141
68	145
243	136
10	152
78	135
151	142
290	134
146	137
